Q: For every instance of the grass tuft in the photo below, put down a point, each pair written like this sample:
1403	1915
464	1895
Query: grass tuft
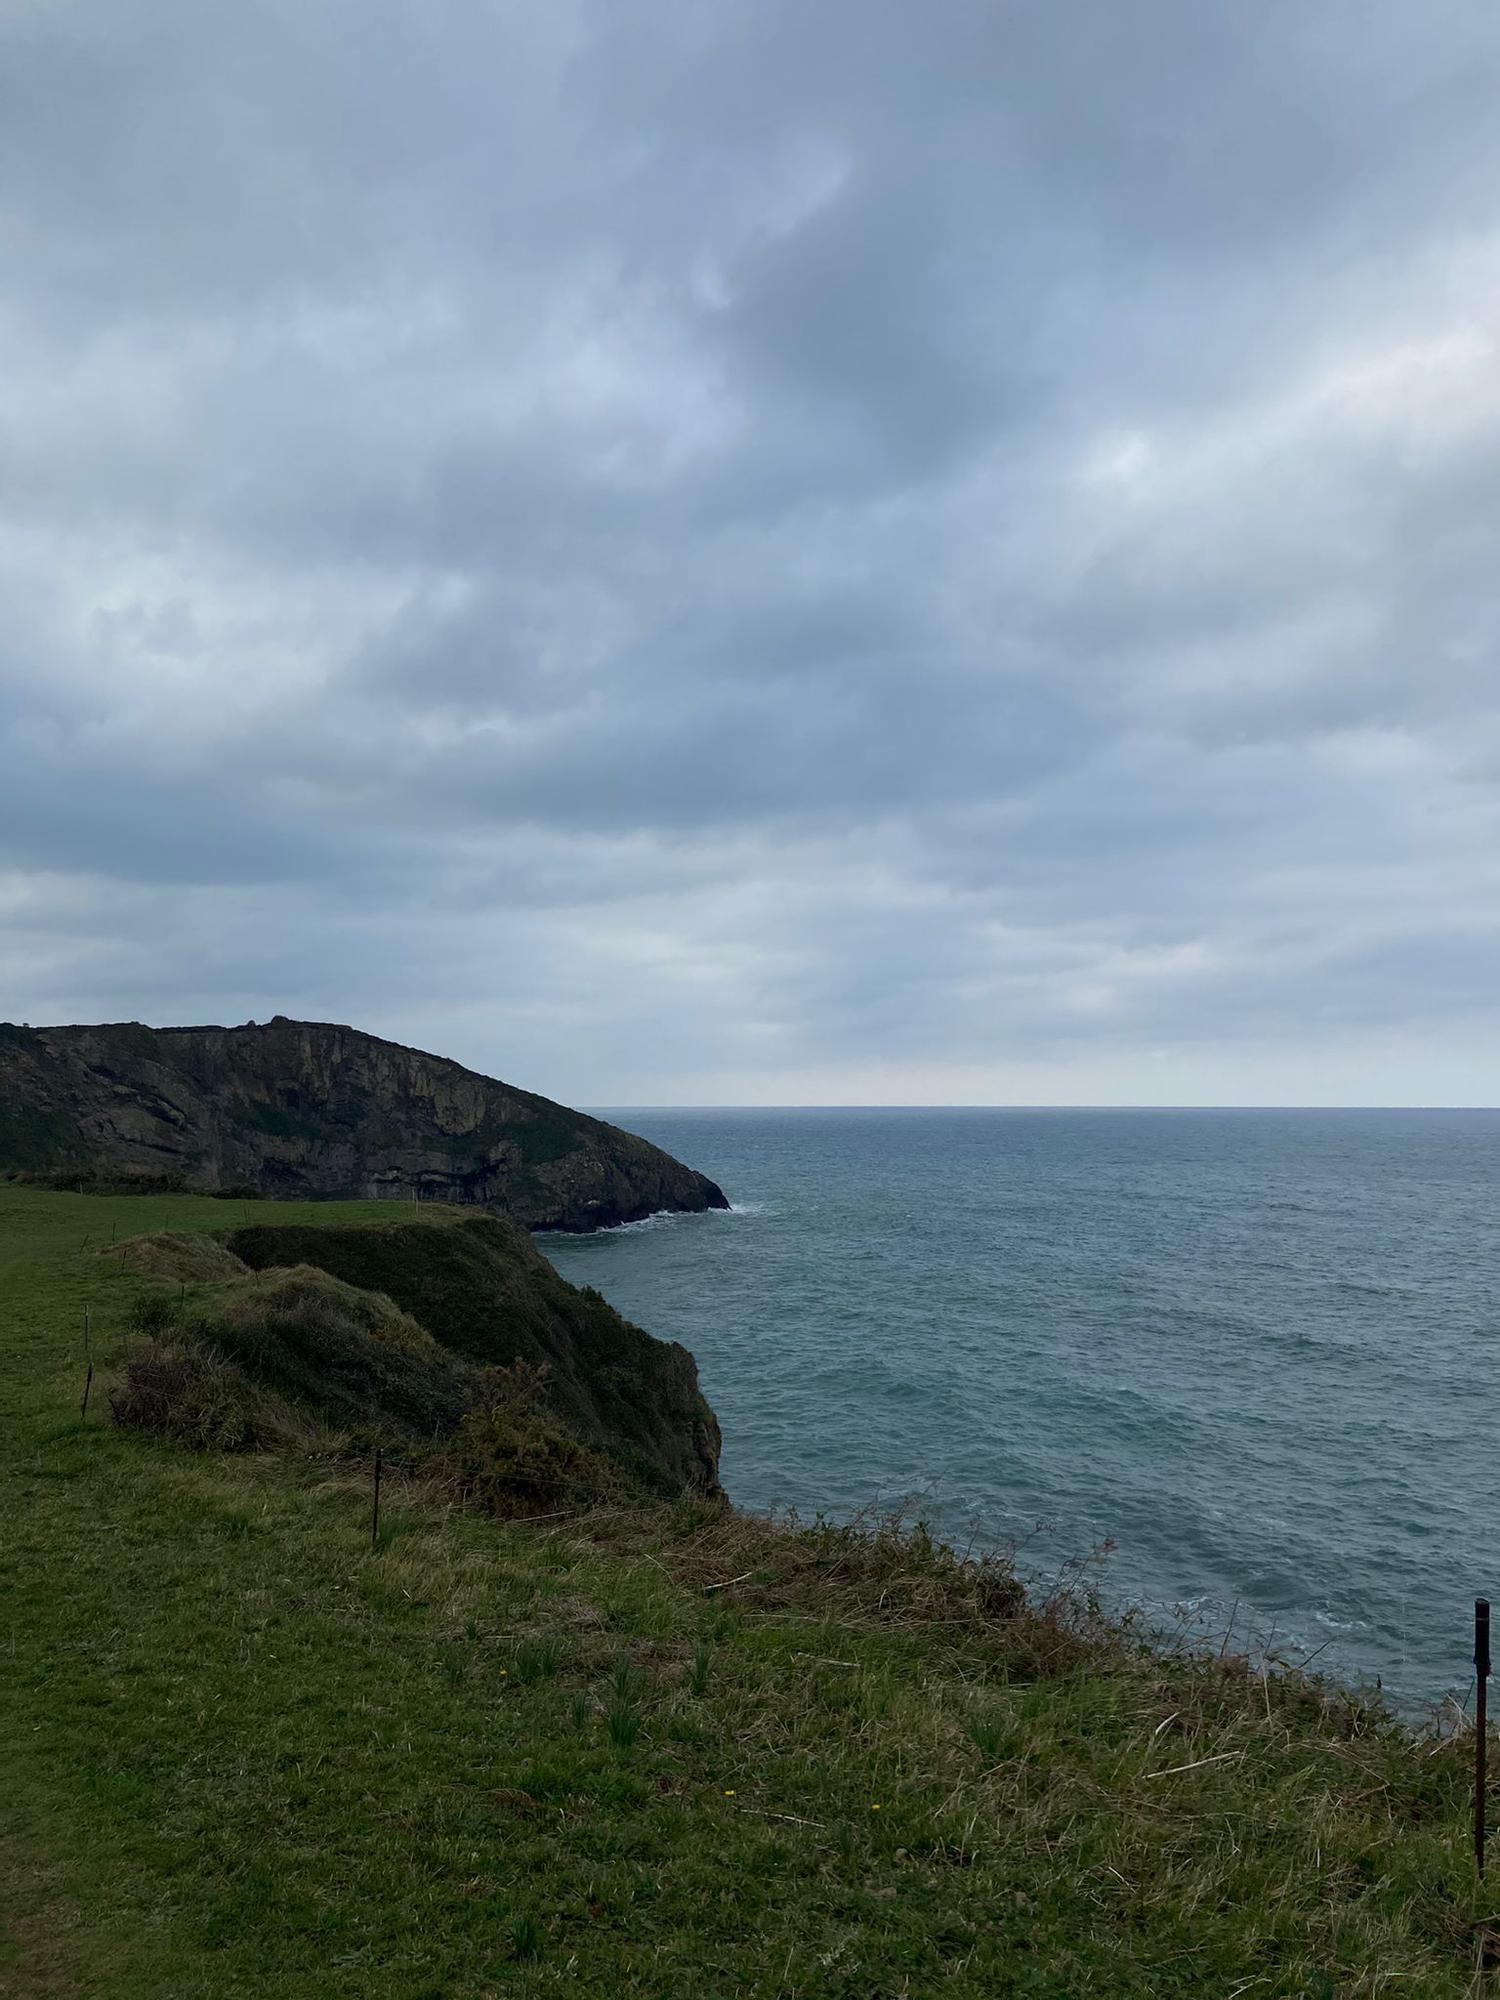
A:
626	1679
526	1939
622	1719
697	1673
536	1660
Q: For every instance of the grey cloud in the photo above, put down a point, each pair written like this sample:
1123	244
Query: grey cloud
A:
769	550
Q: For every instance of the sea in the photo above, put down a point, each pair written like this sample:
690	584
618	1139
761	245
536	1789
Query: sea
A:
1234	1369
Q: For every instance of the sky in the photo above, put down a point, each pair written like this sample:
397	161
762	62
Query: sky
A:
762	553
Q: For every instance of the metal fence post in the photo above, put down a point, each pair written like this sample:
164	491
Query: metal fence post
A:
1481	1722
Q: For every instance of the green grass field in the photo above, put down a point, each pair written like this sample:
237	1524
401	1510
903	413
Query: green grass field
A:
246	1755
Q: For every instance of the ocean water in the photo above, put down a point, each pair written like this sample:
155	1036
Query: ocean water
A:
1255	1350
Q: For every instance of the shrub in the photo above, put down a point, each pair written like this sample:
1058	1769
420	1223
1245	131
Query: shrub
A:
185	1391
191	1258
350	1356
153	1314
516	1457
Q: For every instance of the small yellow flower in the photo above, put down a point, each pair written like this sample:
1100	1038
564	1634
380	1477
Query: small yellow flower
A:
729	1794
874	1809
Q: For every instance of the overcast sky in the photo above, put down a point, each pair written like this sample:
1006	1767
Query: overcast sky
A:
775	551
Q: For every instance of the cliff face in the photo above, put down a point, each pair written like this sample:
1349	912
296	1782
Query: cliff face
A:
299	1109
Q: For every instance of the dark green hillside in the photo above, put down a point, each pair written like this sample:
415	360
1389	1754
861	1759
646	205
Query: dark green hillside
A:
397	1331
483	1290
255	1354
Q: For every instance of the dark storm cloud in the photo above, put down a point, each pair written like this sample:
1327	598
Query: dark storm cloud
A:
761	551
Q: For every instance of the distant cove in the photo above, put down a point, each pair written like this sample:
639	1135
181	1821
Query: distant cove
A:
1253	1348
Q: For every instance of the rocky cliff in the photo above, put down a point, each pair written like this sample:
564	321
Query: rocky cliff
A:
299	1109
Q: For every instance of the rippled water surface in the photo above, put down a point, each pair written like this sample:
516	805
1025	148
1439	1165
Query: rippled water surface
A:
1256	1350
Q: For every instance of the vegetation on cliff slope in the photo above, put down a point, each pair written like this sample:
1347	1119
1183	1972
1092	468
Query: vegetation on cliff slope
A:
403	1333
481	1287
658	1751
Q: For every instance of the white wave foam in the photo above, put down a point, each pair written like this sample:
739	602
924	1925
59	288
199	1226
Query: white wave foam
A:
1327	1620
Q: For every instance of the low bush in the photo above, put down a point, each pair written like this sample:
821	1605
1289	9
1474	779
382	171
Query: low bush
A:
181	1259
185	1391
515	1457
349	1356
284	1358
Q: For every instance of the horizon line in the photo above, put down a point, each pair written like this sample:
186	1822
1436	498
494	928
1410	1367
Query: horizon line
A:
851	1106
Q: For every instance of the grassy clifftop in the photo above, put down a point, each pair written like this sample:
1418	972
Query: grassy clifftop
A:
662	1751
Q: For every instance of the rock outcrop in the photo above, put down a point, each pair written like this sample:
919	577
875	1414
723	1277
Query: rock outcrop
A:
300	1109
